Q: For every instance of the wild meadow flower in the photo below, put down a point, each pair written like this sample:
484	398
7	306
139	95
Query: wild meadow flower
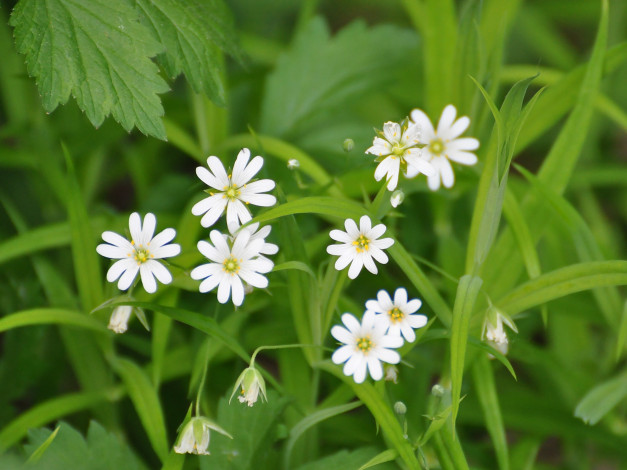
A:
293	164
397	150
232	192
398	314
250	382
359	246
366	345
231	263
262	233
194	438
140	254
494	332
444	144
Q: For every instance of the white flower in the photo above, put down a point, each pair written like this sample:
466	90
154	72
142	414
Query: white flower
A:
397	198
140	254
359	246
232	263
119	318
397	150
292	164
251	382
262	233
391	373
493	331
443	144
398	314
194	439
232	192
365	346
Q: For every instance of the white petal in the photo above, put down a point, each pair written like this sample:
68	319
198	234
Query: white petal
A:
389	355
374	366
260	265
135	227
339	250
342	335
426	128
400	297
446	121
376	231
261	186
466	143
456	129
360	372
408	333
117	240
210	252
240	165
251	170
236	212
254	279
166	251
392	131
160	271
219	242
148	279
261	200
384	301
237	291
148	229
340	236
116	270
417	321
446	171
368	321
378	255
417	165
113	252
355	267
365	224
224	289
351	228
434	180
343	260
162	238
412	306
369	263
217	168
382	243
390	341
205	270
341	354
374	306
209	178
128	277
241	242
354	362
210	283
351	322
463	158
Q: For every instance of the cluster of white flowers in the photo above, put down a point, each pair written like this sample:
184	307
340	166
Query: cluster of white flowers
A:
415	147
384	325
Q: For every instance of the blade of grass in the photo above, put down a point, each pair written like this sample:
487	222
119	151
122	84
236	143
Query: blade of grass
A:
49	316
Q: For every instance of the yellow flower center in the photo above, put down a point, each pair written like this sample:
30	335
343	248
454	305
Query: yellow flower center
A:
232	192
231	265
141	254
361	244
396	315
398	150
364	344
436	147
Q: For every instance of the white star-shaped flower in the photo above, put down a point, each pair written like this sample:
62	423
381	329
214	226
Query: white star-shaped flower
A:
231	264
232	192
443	144
262	233
398	314
359	246
397	150
140	254
365	346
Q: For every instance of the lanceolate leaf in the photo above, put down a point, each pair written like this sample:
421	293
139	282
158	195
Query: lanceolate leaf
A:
192	32
98	52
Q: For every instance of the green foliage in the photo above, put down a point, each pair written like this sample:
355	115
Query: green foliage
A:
69	449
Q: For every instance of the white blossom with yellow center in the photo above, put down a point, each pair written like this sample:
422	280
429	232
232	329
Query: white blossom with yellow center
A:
232	261
359	246
365	346
140	254
398	314
397	150
444	144
232	192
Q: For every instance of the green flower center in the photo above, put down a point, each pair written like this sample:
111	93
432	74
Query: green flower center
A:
232	192
141	254
396	315
361	244
436	147
364	344
230	265
398	150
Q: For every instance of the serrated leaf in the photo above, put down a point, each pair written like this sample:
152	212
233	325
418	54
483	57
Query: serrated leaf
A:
100	451
98	52
321	73
191	33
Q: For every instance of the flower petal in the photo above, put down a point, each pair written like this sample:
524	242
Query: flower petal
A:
389	355
148	229
461	157
205	270
457	128
129	275
355	267
341	354
426	128
148	279
351	322
224	289
446	121
237	291
342	335
210	283
249	172
162	238
374	367
116	270
117	240
135	227
217	168
162	273
113	252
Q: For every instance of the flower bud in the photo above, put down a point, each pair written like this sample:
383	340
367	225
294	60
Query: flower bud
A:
400	408
391	373
397	198
251	383
348	145
293	164
118	322
437	390
194	438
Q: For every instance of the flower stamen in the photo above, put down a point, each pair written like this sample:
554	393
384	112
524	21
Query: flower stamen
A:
436	146
396	315
365	344
231	265
362	244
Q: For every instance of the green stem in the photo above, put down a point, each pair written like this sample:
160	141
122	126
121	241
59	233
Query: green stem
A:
202	383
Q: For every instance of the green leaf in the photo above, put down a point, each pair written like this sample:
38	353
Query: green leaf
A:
483	378
341	208
294	265
46	316
564	281
319	73
385	456
381	412
601	399
39	451
192	32
100	451
146	402
467	292
253	431
98	52
344	460
311	420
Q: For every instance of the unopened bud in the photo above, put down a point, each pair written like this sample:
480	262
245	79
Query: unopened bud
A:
292	164
437	390
348	145
397	198
400	408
